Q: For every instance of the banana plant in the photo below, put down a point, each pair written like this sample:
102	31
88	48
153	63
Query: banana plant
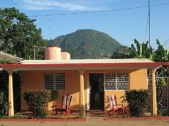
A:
141	50
161	55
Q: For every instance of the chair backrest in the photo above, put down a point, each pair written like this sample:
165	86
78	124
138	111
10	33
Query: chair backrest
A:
112	101
69	99
66	100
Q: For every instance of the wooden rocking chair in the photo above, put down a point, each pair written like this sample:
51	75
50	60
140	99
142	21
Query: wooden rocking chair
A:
114	107
65	106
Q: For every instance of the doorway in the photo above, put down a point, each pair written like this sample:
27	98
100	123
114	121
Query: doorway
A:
96	94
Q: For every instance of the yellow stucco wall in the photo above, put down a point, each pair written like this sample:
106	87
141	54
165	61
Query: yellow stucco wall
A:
138	79
34	80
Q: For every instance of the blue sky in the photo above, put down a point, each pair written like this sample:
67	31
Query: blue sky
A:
124	20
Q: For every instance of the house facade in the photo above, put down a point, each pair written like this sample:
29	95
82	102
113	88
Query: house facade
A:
98	84
89	81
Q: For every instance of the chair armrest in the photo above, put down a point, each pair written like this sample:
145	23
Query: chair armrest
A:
120	105
58	105
68	106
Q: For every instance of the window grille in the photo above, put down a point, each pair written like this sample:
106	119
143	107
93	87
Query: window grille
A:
116	81
110	80
60	81
122	81
54	81
49	81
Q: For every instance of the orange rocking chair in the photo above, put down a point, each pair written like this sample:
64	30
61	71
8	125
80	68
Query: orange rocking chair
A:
65	106
114	107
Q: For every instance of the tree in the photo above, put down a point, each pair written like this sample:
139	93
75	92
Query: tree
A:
121	52
19	35
141	50
160	55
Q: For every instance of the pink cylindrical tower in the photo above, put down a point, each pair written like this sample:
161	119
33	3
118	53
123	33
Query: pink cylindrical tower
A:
53	53
65	56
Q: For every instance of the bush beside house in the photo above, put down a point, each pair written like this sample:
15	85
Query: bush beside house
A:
137	100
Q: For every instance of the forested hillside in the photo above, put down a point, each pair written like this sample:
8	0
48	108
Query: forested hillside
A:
86	43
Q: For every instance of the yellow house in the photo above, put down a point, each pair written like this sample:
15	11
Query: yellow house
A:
89	81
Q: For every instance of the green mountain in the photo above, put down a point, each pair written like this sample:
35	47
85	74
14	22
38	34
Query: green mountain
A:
86	43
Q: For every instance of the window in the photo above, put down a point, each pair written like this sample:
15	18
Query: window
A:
116	81
54	81
60	81
49	81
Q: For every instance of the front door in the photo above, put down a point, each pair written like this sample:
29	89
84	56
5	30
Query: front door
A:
96	81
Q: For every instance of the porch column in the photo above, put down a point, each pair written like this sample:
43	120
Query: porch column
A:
153	95
10	94
81	94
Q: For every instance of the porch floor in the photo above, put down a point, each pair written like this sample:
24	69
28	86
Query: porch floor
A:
88	114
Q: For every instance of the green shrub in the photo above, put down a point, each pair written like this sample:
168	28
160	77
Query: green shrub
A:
137	101
165	113
37	101
16	90
1	97
3	103
54	95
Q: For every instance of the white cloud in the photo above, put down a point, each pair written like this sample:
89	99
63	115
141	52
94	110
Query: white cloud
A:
57	4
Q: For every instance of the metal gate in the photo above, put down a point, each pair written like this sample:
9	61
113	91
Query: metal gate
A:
161	91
